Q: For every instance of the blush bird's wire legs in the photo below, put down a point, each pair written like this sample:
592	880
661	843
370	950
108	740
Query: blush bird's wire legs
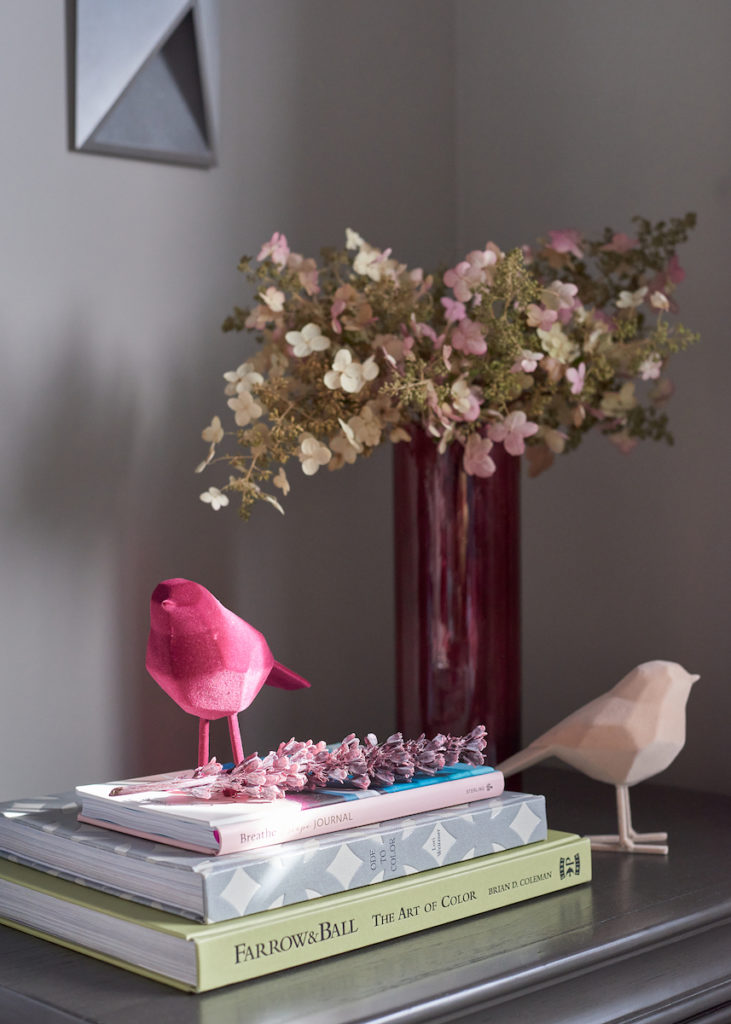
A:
628	839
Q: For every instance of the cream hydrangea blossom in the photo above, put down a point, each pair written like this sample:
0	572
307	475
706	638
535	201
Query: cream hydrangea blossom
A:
215	498
243	378
465	401
631	300
348	374
343	451
312	454
353	240
281	481
310	339
372	262
557	344
619	403
369	262
246	408
214	431
273	298
365	429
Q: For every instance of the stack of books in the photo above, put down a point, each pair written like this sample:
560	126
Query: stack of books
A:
201	894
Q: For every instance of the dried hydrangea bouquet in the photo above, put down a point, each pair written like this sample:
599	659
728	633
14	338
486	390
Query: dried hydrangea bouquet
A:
465	370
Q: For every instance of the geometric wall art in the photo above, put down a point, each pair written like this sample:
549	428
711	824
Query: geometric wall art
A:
146	77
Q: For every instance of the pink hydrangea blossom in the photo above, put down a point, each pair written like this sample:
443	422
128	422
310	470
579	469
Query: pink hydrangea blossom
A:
258	318
565	241
576	377
469	274
476	459
650	369
394	347
624	442
307	272
561	295
620	243
539	316
427	331
468	337
454	311
512	431
276	249
663	282
674	272
336	309
527	362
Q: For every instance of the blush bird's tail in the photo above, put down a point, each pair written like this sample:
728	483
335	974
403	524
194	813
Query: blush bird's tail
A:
523	759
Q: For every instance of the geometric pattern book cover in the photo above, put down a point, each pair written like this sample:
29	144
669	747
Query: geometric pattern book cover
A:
44	833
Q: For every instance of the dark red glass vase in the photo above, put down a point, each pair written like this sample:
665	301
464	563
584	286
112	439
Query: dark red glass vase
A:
457	554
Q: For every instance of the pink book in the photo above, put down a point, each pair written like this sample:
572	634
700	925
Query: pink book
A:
220	826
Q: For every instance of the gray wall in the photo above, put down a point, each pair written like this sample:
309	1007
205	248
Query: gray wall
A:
575	114
428	126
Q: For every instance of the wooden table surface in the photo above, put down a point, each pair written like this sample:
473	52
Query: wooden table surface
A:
648	940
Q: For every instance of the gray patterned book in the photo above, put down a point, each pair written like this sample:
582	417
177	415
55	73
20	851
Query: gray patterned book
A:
45	834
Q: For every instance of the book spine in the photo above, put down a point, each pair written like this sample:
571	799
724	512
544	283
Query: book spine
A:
329	864
314	821
276	940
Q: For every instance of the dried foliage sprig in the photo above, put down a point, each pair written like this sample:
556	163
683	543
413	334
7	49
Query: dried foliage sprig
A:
303	765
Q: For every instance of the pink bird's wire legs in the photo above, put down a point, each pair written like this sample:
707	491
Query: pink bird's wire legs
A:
203	733
628	839
234	732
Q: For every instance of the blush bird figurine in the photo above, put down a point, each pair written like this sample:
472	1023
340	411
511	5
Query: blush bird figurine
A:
208	660
627	735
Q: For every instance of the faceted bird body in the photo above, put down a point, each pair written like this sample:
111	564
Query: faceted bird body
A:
207	659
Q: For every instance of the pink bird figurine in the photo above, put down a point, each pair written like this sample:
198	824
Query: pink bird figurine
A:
208	660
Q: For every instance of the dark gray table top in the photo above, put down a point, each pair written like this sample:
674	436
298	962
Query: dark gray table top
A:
648	940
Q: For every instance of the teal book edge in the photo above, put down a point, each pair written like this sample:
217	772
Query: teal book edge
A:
198	957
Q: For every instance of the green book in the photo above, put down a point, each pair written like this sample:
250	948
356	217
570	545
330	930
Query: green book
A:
200	957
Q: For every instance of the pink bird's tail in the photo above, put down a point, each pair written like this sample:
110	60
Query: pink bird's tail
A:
285	678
